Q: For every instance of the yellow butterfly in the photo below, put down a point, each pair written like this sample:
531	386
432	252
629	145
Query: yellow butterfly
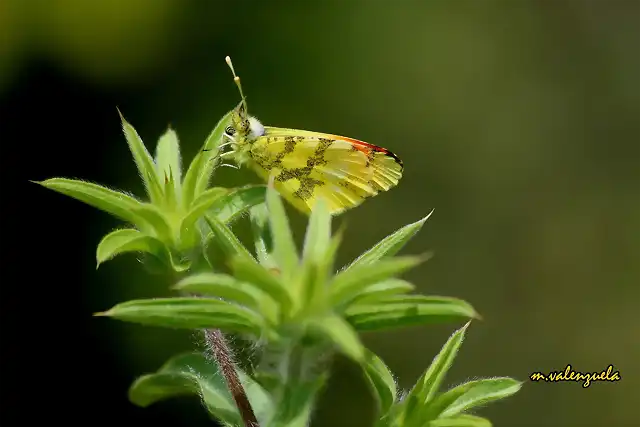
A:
306	166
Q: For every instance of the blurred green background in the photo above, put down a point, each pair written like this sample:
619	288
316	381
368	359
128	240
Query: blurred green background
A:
518	121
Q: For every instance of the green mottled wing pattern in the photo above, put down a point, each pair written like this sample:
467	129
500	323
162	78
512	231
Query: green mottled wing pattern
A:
308	165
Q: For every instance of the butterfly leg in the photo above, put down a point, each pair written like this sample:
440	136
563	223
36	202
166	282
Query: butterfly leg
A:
220	156
229	165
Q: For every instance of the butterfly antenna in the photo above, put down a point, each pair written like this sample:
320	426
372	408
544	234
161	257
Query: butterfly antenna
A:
236	79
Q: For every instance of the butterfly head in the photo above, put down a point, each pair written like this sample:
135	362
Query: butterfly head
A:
243	128
240	125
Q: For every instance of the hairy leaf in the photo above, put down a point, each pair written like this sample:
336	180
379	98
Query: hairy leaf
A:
382	290
192	373
473	394
381	381
128	240
114	202
199	172
222	286
238	202
189	313
157	220
188	225
460	421
168	161
144	161
341	334
391	244
262	239
408	310
227	240
349	283
284	248
429	383
249	271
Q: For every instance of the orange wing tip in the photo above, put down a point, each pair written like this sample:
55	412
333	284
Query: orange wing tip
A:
365	147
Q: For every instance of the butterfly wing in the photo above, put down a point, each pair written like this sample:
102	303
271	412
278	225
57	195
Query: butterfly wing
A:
310	165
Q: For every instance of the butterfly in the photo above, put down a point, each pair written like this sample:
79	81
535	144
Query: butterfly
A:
306	166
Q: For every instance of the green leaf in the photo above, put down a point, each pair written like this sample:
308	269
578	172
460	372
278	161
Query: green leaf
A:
168	161
329	257
249	271
408	310
460	421
197	177
313	277
429	383
114	202
189	313
260	400
187	374
381	381
158	263
152	388
390	245
179	265
295	406
157	220
349	283
472	394
318	236
238	202
227	240
211	144
262	239
144	162
318	256
192	373
128	240
170	195
188	228
284	248
341	334
264	246
393	417
381	290
222	286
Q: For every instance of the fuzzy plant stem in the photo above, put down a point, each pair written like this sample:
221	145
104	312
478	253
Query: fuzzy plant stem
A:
217	344
222	354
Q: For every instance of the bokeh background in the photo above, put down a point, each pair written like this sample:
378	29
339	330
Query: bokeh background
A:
518	121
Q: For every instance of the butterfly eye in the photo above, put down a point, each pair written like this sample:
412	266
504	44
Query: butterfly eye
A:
229	130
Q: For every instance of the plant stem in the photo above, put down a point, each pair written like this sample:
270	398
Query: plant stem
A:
222	354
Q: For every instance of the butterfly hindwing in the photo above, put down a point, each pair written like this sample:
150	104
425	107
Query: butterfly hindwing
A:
309	165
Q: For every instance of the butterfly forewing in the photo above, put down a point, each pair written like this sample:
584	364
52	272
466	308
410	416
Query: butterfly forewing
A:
310	165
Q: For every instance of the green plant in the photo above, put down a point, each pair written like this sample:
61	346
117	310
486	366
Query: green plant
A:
292	307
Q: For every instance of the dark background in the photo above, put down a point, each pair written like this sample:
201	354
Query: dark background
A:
518	121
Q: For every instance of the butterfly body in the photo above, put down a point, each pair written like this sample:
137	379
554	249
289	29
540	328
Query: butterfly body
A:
307	166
